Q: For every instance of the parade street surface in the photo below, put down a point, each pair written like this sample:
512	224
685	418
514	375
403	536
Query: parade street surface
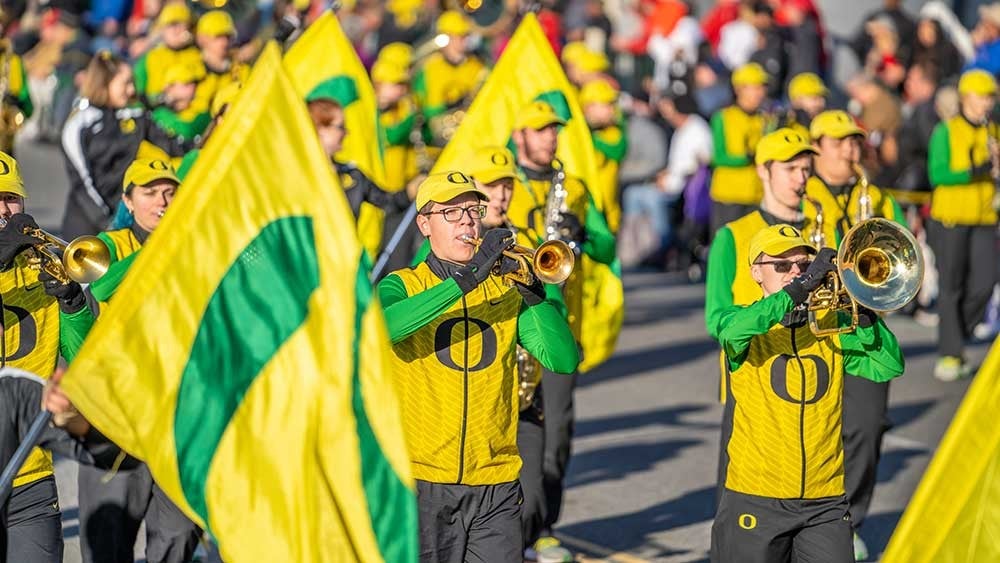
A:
642	476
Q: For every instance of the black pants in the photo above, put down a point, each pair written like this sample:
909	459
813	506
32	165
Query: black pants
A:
752	529
967	271
558	390
864	423
34	524
531	445
470	524
110	515
723	213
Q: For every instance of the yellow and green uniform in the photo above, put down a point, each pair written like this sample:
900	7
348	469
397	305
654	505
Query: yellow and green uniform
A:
400	157
188	124
17	80
958	165
441	86
151	68
455	369
787	386
735	134
610	144
32	342
841	208
527	215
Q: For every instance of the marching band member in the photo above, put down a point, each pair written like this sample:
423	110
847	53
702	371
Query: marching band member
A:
458	402
215	35
807	96
178	113
599	100
174	25
784	486
397	111
962	159
16	105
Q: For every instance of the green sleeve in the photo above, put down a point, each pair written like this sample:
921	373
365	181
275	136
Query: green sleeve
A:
24	96
719	155
73	329
545	334
140	75
720	274
600	243
741	324
420	87
175	125
187	162
105	287
897	213
939	160
553	294
872	353
112	247
399	134
405	315
422	253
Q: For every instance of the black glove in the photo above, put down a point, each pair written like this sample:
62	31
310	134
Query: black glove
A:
508	265
866	317
69	295
13	241
981	170
532	294
800	288
572	229
478	269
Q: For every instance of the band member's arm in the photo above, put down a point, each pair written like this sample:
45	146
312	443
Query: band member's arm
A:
721	272
545	334
872	351
73	330
741	324
600	242
173	145
375	195
140	74
405	315
939	162
398	134
23	95
720	154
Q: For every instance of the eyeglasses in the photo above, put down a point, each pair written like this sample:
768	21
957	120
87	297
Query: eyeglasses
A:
785	266
454	214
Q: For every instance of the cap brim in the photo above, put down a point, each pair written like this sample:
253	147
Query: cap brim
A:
541	122
444	196
146	179
787	153
492	175
13	188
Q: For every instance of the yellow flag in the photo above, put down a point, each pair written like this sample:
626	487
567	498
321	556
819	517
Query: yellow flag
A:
249	365
527	71
954	515
324	57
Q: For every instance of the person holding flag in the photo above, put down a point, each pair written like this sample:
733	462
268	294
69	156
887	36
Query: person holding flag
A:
736	129
599	100
464	455
548	203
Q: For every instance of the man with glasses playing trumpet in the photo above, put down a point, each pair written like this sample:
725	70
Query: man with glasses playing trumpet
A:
455	320
784	487
838	197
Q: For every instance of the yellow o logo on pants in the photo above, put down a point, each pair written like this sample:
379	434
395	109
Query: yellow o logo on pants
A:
747	521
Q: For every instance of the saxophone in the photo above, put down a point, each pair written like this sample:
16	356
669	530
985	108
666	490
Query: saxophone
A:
555	205
865	199
818	237
11	117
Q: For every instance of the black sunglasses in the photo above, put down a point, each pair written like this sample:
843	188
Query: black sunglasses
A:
785	266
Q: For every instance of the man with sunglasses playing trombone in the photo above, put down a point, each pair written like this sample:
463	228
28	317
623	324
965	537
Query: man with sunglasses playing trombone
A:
454	323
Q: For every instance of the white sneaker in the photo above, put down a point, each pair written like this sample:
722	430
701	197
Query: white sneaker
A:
860	549
951	368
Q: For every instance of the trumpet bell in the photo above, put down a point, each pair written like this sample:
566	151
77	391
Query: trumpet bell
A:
880	265
553	262
86	259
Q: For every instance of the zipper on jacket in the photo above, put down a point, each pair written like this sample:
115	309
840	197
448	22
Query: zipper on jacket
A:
802	413
465	394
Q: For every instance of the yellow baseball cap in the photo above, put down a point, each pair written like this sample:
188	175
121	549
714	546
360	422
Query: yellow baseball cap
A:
181	74
572	51
216	23
782	145
977	82
489	164
175	12
446	186
836	124
453	23
750	74
537	115
225	96
775	240
591	61
598	92
10	176
390	73
396	53
806	84
145	171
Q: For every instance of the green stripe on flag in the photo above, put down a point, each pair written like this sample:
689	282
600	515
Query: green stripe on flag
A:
391	504
259	303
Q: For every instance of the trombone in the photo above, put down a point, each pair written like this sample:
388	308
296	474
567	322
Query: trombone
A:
552	262
82	260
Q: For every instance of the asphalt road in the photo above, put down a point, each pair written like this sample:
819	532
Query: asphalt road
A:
642	476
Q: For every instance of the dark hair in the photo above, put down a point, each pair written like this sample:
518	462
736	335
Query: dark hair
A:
98	76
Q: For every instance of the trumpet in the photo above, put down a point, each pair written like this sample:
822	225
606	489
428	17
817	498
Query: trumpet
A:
82	260
552	262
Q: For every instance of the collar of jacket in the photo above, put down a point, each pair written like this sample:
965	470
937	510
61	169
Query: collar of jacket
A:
838	189
443	269
140	234
538	173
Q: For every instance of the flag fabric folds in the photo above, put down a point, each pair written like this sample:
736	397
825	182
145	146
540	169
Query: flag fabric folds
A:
245	359
321	56
954	515
528	70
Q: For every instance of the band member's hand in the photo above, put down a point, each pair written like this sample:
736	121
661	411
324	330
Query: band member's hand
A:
64	413
800	288
13	241
572	229
69	295
495	241
532	294
508	265
866	317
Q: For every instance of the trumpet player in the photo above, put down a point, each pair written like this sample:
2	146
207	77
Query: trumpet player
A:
784	487
454	325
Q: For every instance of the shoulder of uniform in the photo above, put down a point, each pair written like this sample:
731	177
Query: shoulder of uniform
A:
754	218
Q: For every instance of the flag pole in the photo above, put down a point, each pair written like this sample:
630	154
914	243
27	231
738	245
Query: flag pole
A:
14	465
397	236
